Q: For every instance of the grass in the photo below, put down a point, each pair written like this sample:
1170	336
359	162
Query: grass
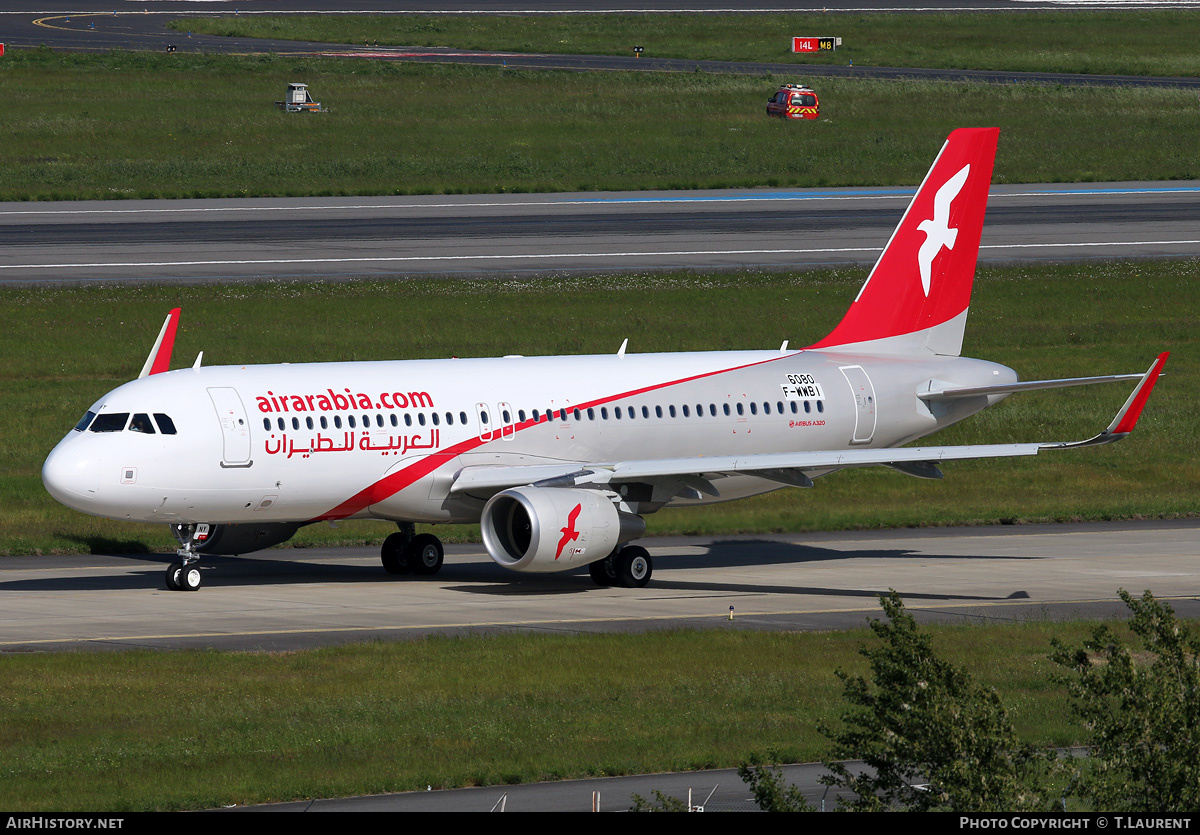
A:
64	348
1118	42
188	730
204	126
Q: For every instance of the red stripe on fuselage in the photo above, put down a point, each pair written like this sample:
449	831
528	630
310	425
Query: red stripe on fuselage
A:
392	484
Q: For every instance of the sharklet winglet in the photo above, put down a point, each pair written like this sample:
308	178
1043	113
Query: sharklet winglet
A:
159	359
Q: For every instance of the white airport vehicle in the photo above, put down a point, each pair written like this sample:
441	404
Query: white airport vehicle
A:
560	458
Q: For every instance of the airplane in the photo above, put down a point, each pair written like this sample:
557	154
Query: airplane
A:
560	458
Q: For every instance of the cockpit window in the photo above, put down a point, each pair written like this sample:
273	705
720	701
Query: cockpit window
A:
141	423
165	424
84	421
110	422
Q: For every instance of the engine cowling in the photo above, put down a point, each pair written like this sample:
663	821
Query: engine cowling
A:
231	540
545	529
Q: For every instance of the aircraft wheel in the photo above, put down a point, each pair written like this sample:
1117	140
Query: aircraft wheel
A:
394	555
425	554
604	573
189	577
634	567
173	572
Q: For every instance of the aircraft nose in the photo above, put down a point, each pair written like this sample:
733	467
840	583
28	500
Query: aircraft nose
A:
70	477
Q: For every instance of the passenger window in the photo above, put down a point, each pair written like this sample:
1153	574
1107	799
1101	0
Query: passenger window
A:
350	421
84	421
741	410
308	421
658	411
820	405
295	423
408	419
462	418
591	413
671	410
436	420
725	406
266	423
337	421
392	418
753	408
324	422
421	418
686	413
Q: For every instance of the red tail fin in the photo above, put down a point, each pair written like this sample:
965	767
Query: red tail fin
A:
916	297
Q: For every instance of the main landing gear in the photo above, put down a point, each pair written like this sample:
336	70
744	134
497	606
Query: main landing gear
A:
408	552
185	574
629	567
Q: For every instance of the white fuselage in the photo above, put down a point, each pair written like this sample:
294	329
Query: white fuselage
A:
297	443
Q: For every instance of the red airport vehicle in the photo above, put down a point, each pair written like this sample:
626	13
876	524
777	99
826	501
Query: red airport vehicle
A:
794	101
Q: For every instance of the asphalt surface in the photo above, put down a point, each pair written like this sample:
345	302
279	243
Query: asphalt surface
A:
197	241
294	599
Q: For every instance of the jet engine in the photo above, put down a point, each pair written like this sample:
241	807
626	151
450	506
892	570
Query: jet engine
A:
544	529
231	540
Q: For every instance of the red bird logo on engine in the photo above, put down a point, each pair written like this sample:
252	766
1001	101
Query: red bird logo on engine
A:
569	534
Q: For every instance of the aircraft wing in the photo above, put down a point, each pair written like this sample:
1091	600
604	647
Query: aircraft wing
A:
785	467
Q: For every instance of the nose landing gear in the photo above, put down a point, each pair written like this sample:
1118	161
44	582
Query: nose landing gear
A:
185	574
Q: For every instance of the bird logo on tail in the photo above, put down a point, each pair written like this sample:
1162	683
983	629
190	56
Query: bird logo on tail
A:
937	229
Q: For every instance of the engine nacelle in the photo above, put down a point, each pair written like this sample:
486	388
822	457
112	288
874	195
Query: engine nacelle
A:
544	529
231	540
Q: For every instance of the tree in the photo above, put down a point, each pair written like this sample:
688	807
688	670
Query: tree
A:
1142	711
931	738
771	791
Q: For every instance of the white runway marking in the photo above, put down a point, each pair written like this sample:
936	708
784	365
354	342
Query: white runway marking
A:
549	255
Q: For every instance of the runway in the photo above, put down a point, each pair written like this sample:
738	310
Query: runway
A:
196	241
294	599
